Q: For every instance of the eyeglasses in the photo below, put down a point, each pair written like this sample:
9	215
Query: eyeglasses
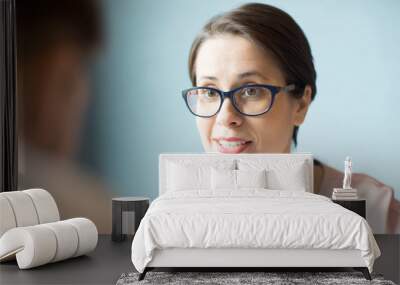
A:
248	100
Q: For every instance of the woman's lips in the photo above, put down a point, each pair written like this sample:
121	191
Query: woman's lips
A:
232	145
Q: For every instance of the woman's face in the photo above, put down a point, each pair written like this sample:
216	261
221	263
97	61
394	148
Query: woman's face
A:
226	62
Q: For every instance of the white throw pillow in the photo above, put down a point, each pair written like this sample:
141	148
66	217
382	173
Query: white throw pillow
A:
223	179
293	178
237	179
251	178
281	174
185	175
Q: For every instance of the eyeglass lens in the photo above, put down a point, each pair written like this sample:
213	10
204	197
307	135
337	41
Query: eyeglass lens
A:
248	100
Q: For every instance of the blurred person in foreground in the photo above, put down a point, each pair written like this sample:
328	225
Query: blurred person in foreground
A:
56	41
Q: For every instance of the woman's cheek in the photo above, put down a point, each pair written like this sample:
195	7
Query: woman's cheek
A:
276	139
204	127
270	134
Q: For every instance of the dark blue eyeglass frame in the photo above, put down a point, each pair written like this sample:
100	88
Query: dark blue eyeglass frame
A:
229	94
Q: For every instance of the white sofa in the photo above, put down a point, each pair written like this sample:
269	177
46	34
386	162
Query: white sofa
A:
31	231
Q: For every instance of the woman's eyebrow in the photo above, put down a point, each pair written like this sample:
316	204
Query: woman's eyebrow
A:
239	76
213	78
250	74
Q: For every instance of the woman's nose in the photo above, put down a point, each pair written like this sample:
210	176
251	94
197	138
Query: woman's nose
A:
228	116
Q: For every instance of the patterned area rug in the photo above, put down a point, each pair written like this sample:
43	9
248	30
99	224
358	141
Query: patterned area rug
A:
230	278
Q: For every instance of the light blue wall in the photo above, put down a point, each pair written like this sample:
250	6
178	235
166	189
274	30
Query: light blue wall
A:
137	111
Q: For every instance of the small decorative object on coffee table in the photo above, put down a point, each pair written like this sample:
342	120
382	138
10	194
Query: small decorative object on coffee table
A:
347	197
345	193
127	212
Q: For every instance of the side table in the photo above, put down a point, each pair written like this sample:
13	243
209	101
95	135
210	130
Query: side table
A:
126	212
358	206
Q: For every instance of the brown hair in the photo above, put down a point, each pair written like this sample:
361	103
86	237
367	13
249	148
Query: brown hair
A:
273	30
42	24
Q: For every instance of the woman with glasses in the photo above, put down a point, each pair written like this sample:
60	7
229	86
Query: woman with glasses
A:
254	78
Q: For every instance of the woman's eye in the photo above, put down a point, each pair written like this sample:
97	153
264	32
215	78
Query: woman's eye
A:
208	94
250	92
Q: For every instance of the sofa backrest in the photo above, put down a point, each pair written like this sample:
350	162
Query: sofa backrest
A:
278	163
26	208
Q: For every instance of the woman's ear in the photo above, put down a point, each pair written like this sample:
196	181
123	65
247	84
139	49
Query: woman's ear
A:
301	106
